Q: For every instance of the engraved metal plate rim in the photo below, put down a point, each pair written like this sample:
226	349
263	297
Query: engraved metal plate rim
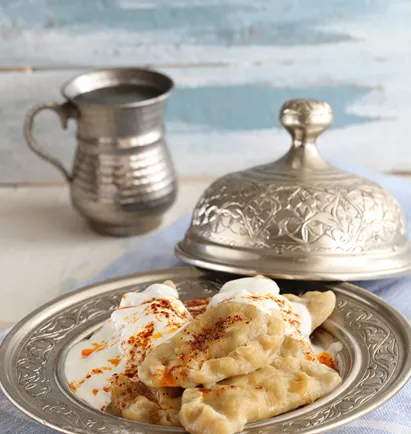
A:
358	311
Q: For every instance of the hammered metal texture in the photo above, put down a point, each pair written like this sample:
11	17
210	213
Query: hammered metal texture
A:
299	217
375	363
123	179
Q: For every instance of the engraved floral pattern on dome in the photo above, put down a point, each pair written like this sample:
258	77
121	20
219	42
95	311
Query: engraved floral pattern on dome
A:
352	215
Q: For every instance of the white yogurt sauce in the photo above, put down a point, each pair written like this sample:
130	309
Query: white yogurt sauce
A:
142	321
264	294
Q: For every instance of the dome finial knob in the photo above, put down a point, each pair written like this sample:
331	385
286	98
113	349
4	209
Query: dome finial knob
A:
305	119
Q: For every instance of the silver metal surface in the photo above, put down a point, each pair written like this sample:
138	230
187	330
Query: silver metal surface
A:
299	217
375	361
123	179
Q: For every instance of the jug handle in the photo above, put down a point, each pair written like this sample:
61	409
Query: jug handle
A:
64	111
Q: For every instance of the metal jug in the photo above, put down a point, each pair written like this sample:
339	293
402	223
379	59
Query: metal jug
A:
123	179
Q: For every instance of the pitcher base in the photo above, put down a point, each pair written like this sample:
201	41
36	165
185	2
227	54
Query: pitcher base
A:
139	228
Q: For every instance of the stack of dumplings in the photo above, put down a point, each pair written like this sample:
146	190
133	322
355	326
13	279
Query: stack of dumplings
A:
245	357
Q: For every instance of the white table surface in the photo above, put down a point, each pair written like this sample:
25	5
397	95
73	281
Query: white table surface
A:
47	248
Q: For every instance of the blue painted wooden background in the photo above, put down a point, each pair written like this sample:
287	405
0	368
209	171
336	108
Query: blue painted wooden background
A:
234	62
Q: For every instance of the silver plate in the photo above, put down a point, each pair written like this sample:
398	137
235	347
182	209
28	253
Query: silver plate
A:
375	361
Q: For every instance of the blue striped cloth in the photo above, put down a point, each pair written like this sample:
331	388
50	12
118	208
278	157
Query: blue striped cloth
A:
157	252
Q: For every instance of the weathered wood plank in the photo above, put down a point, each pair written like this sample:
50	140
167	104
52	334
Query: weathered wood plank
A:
158	31
234	63
101	32
224	127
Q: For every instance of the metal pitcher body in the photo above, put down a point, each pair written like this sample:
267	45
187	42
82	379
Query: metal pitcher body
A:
123	179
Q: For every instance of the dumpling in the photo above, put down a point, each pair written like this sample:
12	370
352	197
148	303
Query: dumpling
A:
227	340
146	411
319	304
293	379
134	400
290	382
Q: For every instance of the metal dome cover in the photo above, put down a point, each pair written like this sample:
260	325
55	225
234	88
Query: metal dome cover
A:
299	217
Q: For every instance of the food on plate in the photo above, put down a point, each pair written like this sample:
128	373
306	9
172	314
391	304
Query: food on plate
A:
227	340
134	400
319	304
294	378
210	365
142	321
197	306
227	406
